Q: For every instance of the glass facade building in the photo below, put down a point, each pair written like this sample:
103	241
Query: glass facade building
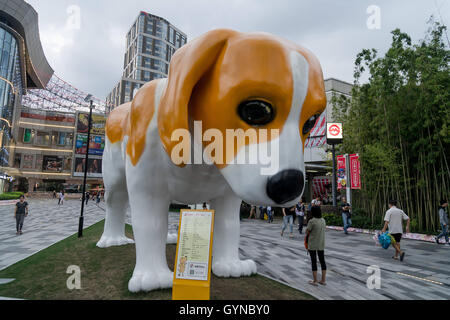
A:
10	82
151	43
23	66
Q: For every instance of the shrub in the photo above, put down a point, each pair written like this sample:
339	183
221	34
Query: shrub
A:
361	222
10	195
359	212
332	219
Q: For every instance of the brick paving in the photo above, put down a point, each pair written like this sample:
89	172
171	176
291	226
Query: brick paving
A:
348	258
280	258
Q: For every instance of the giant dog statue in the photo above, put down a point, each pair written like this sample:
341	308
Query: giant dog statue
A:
226	80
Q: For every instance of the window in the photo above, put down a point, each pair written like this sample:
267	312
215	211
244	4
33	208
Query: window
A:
43	138
27	136
64	139
171	38
28	161
164	28
147	63
146	75
147	45
17	160
149	28
38	161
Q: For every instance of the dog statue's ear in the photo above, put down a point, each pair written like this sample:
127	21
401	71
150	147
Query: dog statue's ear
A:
187	67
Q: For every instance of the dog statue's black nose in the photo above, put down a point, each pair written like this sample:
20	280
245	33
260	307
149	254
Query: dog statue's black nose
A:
285	186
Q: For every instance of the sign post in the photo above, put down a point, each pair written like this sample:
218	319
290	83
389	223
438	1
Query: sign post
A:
349	179
334	136
355	171
192	270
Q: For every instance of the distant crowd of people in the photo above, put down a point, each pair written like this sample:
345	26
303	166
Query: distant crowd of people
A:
96	196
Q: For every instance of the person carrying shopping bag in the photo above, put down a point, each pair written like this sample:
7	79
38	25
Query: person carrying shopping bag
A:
394	221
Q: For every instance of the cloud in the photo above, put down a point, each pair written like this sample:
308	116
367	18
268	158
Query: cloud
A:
91	58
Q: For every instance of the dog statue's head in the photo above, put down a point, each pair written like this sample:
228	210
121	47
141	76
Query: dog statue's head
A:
230	80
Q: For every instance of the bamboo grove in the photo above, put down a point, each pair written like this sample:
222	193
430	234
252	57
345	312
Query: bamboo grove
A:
398	120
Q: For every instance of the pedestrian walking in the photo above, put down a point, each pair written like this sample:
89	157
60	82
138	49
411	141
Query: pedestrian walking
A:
61	198
443	219
316	202
261	212
54	194
288	219
315	233
394	222
87	194
98	198
346	214
300	213
269	214
252	212
20	213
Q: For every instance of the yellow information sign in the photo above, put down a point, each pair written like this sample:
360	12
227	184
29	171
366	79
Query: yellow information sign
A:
192	270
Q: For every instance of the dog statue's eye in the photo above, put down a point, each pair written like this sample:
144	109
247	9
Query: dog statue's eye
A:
256	112
310	124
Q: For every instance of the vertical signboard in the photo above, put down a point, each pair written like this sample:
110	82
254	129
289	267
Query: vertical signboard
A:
341	175
355	171
96	145
192	270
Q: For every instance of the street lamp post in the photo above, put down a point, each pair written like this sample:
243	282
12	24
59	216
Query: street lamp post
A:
334	136
333	182
80	225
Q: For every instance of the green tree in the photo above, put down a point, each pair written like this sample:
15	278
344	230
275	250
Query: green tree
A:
399	123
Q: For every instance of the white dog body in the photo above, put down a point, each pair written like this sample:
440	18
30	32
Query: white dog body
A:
139	171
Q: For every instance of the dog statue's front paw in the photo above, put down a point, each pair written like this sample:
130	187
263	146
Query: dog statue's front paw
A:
234	268
150	280
108	241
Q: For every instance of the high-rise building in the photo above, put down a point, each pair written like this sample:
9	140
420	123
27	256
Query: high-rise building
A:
151	43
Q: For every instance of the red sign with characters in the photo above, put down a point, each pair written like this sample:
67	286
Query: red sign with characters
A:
355	171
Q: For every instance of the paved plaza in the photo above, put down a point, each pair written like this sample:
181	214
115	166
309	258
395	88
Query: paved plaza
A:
347	258
423	275
47	223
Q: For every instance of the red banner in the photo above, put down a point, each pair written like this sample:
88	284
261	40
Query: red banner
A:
355	171
48	116
341	177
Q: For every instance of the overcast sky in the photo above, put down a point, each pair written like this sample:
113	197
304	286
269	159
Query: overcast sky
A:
91	57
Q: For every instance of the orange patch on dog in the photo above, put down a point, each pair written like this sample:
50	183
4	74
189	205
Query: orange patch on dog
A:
211	75
117	123
251	66
142	110
132	120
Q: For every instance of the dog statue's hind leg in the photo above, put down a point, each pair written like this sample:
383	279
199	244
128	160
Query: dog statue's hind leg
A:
116	197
